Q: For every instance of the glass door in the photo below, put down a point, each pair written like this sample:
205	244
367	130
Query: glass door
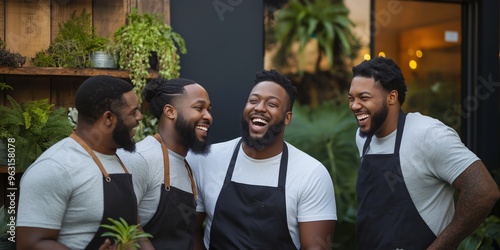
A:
424	39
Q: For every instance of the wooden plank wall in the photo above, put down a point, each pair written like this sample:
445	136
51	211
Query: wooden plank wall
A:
27	26
62	10
108	16
63	89
30	26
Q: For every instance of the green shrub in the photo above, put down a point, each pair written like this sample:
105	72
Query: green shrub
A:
35	126
328	134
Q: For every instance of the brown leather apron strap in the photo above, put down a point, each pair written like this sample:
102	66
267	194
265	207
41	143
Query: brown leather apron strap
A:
82	143
190	172
166	163
166	166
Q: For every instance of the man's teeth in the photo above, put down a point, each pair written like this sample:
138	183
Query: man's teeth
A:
259	121
202	128
362	117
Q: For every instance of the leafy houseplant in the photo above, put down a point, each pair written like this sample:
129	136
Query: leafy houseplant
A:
142	35
73	45
126	236
35	126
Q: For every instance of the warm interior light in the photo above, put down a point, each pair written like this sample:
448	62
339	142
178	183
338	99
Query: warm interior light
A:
410	52
418	53
413	64
381	53
367	57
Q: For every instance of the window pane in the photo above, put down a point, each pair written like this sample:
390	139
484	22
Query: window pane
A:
424	38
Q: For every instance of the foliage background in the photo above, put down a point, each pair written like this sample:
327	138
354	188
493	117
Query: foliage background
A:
327	133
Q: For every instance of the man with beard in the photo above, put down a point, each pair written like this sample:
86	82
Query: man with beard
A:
167	200
258	191
410	167
79	182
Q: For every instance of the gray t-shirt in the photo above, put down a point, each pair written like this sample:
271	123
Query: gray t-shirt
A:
432	156
62	190
146	166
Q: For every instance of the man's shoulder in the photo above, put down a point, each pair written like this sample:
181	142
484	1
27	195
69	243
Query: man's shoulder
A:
297	155
61	150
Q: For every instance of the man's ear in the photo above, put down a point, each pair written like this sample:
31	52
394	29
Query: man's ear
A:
109	118
392	97
169	111
288	118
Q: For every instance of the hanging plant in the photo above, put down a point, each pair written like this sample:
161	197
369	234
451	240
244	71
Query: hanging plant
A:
144	35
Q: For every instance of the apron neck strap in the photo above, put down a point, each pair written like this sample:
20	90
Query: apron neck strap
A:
399	134
82	143
166	166
282	171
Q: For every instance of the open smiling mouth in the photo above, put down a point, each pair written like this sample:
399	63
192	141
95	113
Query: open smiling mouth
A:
202	128
362	117
259	122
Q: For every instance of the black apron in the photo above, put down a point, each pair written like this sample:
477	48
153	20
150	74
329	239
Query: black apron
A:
174	221
251	217
387	217
119	197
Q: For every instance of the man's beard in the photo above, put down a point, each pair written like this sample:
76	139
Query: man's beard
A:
121	135
188	137
377	119
260	143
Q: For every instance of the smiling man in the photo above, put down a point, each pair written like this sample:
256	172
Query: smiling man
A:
258	191
167	198
79	182
410	167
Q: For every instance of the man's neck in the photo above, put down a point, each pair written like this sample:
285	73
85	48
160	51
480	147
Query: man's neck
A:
96	140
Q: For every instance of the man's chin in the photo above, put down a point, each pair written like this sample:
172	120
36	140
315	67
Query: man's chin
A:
129	148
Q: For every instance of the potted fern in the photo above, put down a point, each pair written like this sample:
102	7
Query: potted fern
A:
126	237
145	35
35	126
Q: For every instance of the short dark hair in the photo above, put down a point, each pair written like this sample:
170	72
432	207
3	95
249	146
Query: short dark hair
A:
99	94
160	92
274	76
385	72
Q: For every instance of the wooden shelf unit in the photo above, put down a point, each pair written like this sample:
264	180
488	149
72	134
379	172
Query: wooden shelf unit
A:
39	71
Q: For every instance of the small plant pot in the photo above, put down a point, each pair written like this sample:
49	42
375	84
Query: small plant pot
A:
101	59
153	60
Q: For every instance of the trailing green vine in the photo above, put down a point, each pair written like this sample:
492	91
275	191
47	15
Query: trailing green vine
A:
138	38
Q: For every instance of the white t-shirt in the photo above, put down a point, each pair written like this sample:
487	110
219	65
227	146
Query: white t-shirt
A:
432	156
62	190
146	164
309	189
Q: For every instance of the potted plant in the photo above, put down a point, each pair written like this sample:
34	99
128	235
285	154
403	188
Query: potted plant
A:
10	59
144	35
35	126
73	45
126	236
